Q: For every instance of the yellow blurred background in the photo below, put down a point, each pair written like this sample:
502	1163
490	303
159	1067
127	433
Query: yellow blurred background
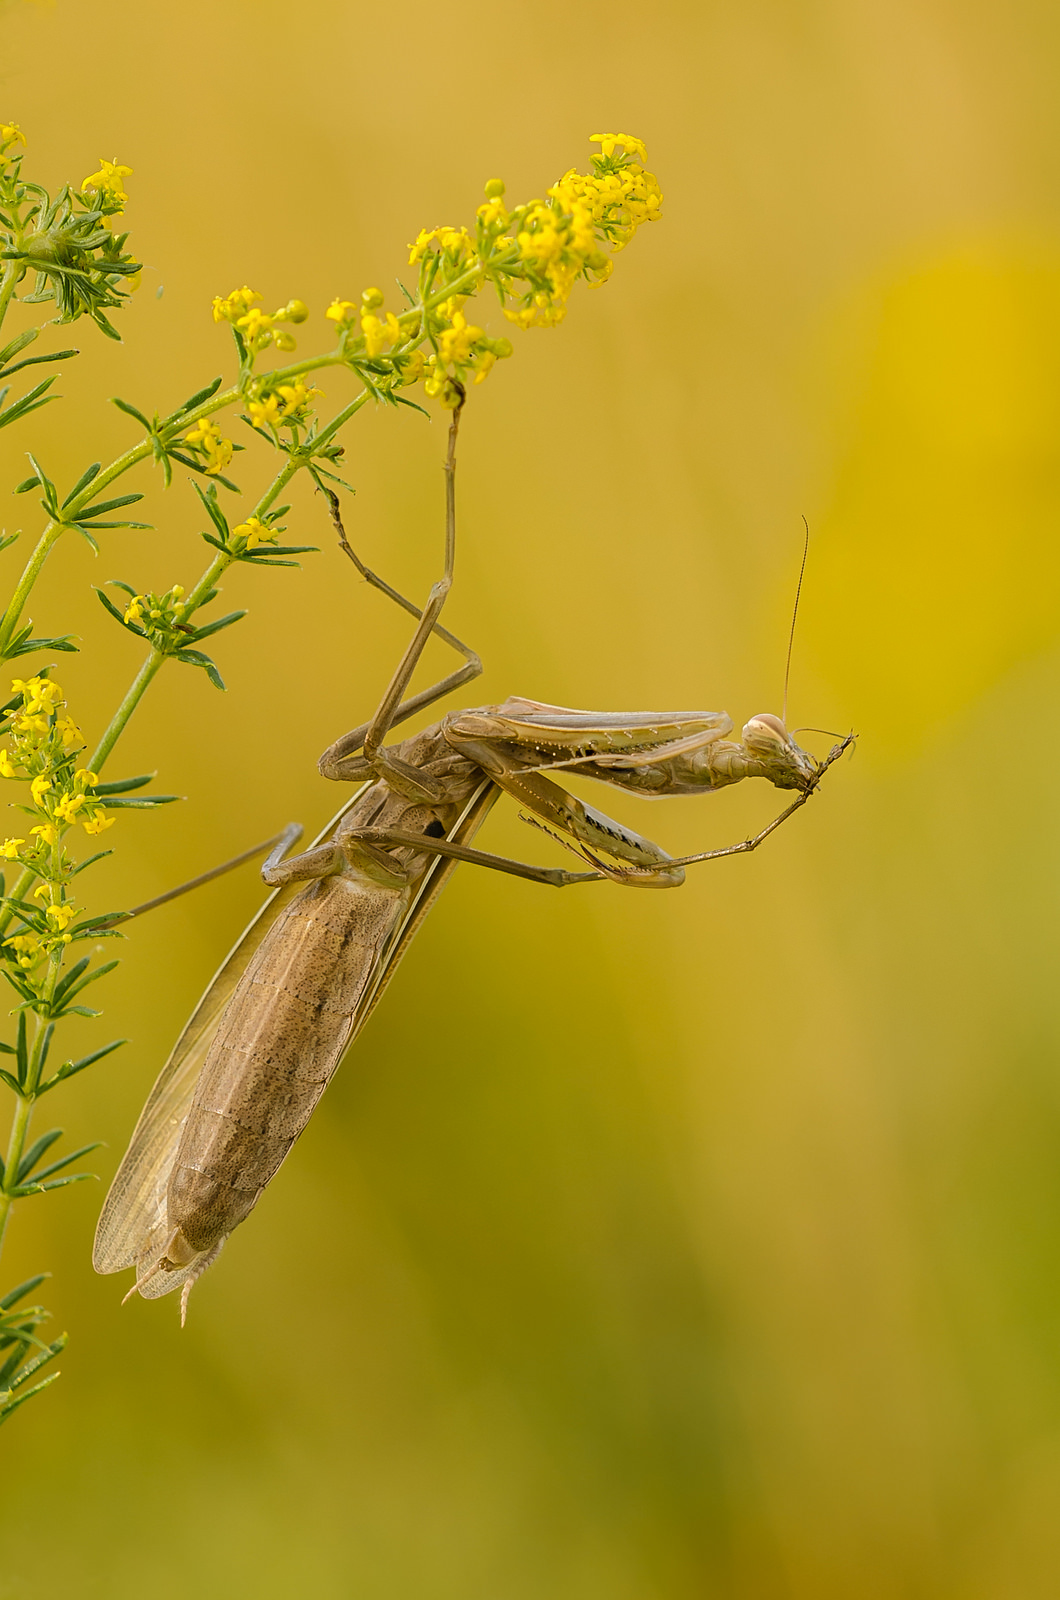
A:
649	1247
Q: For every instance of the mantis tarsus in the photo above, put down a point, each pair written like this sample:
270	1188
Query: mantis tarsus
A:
250	1066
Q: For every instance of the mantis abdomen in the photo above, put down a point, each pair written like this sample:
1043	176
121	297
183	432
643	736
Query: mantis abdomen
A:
279	1042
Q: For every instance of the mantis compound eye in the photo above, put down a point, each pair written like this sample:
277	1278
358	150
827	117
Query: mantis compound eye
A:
765	722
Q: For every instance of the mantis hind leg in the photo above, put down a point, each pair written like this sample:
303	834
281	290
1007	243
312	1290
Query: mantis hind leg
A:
341	760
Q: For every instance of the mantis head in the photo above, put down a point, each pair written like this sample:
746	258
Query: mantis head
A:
776	755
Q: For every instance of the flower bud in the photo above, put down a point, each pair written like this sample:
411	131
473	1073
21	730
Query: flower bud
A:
494	188
295	311
372	299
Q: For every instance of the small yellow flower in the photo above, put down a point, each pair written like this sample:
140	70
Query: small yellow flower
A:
341	311
607	142
230	307
60	916
7	767
106	184
10	848
266	411
135	609
296	395
97	822
70	732
67	808
39	788
85	779
378	333
46	832
27	947
254	325
218	451
254	531
10	133
204	432
37	693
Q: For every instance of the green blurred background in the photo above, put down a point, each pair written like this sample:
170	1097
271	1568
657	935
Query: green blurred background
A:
650	1247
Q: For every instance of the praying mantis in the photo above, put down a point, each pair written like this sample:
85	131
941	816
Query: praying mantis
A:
260	1048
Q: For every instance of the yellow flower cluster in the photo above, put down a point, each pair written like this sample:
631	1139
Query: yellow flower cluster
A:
43	746
560	239
105	187
533	255
157	615
286	405
208	443
454	243
258	328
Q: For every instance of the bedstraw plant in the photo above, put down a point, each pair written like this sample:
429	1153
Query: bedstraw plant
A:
64	253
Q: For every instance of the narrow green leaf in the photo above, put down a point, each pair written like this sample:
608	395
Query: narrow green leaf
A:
70	977
137	525
195	658
34	1153
70	990
75	1155
118	615
69	1069
21	1290
108	505
89	861
34	361
131	411
58	1183
26	647
197	399
123	785
215	627
213	510
18	344
7	1406
143	804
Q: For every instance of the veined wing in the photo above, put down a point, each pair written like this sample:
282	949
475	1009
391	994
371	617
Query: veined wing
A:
134	1213
135	1203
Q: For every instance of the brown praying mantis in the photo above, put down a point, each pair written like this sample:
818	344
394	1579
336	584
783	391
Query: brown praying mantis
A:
265	1039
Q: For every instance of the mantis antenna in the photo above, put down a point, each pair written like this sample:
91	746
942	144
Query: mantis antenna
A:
795	617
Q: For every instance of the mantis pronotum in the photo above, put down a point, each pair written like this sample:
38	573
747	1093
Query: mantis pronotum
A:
250	1066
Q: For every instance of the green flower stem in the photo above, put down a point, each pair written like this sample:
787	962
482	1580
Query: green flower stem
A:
31	572
8	284
133	696
20	1122
326	435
